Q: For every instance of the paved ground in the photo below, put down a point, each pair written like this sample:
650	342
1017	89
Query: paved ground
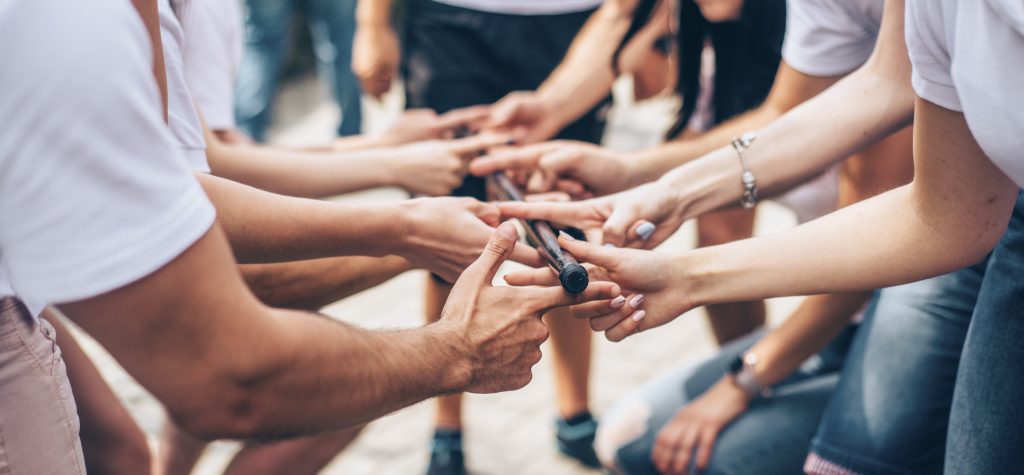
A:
507	433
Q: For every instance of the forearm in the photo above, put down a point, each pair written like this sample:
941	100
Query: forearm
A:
373	13
265	227
817	320
652	163
856	112
313	284
299	173
585	76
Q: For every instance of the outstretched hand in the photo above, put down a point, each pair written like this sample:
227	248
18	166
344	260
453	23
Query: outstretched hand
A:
501	327
641	218
578	168
649	277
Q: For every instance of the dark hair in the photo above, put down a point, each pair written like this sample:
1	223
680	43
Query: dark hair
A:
747	55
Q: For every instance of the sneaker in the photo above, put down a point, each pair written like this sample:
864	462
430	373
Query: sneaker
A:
575	437
446	457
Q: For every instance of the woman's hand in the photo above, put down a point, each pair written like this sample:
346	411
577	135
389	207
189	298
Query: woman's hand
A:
642	217
578	168
651	279
695	428
375	57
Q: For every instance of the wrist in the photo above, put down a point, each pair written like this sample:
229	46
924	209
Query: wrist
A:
728	389
456	368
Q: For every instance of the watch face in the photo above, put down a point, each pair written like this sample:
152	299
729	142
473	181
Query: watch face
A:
736	365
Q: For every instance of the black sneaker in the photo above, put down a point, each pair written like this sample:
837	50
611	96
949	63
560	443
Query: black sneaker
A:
446	457
575	438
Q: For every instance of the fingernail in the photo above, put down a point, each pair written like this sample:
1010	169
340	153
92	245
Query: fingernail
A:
618	302
510	142
609	245
639	315
566	235
636	300
645	230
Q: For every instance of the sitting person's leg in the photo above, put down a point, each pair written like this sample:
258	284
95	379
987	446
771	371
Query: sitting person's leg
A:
890	410
626	441
985	423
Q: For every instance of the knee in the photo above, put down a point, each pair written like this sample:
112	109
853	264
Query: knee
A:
628	425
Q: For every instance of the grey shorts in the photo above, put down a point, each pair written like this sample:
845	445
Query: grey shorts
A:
38	418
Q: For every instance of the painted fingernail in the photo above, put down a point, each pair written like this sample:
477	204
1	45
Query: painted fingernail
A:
566	235
639	315
609	245
510	141
645	230
618	302
636	300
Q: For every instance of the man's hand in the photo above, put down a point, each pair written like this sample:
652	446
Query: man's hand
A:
501	327
444	235
695	428
436	167
526	116
649	277
375	58
578	168
642	217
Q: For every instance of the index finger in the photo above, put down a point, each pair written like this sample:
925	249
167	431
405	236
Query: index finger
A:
476	143
553	297
463	116
566	213
511	159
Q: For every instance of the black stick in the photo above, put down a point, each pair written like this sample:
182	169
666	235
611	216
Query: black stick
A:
541	235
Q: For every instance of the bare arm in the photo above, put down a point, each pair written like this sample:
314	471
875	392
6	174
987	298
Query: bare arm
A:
228	367
311	284
440	234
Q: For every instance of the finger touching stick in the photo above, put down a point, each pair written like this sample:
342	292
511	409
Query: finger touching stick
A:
573	276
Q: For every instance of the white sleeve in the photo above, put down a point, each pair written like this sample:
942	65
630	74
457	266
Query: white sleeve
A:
929	55
211	60
94	194
823	38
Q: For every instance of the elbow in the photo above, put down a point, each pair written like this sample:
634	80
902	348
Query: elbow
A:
228	413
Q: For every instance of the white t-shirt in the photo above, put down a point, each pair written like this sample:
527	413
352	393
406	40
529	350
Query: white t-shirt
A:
525	7
94	193
182	117
830	37
213	54
968	56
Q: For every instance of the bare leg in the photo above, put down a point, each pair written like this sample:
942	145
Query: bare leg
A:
111	441
449	408
308	455
570	345
732	320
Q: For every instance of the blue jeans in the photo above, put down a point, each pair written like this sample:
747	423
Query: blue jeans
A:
890	409
932	380
332	26
986	425
746	446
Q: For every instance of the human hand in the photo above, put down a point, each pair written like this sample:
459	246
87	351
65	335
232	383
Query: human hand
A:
500	327
526	116
424	124
436	167
695	428
578	168
642	217
647	277
375	57
444	235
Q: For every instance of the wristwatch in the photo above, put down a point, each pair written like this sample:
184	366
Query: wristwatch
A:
743	374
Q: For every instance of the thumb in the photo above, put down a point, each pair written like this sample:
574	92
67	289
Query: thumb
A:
588	252
618	224
481	272
473	145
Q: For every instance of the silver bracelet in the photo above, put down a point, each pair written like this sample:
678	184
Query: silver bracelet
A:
749	199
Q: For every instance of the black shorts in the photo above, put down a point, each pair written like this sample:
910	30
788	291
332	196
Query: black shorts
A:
457	57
